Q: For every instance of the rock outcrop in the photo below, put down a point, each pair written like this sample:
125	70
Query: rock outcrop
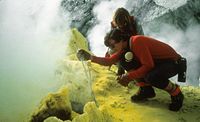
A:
54	104
80	13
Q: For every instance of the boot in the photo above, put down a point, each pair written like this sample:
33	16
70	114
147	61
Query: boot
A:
177	102
143	93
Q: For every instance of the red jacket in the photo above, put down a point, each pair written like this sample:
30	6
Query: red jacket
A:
146	50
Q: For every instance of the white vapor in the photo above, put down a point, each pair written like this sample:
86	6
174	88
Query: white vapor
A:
32	39
186	43
104	12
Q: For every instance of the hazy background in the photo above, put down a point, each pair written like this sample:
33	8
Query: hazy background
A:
33	38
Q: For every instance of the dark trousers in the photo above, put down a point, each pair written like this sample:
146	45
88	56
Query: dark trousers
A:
160	74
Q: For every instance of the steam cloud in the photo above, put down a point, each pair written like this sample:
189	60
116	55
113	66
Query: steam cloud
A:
32	39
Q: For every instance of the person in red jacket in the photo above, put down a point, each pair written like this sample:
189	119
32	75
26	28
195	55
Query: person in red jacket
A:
158	63
129	26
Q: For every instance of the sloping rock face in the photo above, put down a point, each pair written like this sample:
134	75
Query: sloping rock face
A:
76	41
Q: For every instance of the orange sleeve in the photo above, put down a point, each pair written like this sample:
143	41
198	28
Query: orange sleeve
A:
106	61
143	53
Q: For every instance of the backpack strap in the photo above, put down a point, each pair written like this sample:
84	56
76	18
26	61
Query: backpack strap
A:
130	44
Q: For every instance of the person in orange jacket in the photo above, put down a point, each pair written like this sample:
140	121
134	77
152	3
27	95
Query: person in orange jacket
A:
157	63
129	25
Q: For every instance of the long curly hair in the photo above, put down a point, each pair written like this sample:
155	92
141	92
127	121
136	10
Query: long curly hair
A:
121	17
124	21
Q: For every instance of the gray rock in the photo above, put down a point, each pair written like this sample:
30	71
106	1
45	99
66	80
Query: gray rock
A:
181	17
81	14
180	13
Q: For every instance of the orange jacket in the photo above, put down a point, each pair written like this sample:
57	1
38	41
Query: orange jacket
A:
147	50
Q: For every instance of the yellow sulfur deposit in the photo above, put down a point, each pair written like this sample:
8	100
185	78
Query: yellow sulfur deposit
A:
54	104
104	100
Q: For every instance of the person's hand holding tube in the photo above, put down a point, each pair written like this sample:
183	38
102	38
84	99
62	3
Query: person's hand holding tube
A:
83	55
123	80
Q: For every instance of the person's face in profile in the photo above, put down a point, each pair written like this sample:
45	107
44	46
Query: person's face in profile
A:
116	46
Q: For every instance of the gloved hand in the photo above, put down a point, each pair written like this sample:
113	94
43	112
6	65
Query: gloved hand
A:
83	55
123	79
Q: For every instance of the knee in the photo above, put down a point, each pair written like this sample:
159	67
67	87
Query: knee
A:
150	78
155	81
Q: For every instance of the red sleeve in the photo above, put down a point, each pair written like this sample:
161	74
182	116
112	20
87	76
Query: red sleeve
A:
142	52
106	61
